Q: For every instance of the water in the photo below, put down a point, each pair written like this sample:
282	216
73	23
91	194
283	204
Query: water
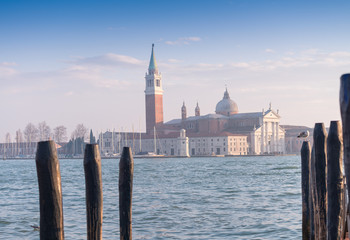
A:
194	198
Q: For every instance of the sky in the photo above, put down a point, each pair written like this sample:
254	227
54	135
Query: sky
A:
82	61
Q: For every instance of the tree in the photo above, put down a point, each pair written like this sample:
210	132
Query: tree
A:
8	146
19	136
80	131
44	131
30	133
60	133
8	138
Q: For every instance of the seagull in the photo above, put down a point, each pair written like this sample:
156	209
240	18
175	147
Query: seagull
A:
303	134
35	227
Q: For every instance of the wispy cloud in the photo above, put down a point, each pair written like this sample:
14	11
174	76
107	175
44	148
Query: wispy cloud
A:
183	40
269	50
109	59
307	58
7	69
172	60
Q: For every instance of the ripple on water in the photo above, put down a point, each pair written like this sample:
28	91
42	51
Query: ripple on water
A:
196	198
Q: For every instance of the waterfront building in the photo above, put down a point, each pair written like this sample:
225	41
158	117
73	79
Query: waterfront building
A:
225	132
293	143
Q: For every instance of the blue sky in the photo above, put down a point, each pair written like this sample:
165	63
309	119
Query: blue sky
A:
70	62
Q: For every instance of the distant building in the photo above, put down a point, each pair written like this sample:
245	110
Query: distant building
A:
225	132
294	144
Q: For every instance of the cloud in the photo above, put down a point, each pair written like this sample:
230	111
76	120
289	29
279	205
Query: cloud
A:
184	41
172	60
81	74
109	59
268	50
7	69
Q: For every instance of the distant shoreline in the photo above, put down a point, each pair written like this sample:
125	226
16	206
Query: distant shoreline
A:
157	157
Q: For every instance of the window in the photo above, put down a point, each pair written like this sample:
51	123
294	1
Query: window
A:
158	83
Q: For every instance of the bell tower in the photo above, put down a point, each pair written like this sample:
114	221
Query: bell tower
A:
154	95
197	111
183	112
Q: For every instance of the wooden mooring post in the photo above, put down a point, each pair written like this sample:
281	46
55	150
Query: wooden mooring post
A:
50	191
335	183
323	191
344	99
126	172
305	182
93	191
320	145
312	197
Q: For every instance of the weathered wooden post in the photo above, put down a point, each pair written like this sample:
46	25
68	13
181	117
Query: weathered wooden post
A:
305	188
93	191
335	183
312	197
126	172
344	99
50	191
320	144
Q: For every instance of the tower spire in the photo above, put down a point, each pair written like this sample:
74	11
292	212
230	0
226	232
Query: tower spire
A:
152	68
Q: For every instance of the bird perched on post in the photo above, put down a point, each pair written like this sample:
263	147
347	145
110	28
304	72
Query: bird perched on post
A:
303	134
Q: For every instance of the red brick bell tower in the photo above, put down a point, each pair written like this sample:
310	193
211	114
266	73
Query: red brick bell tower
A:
154	95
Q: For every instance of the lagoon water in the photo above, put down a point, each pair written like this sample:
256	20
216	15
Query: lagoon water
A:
173	198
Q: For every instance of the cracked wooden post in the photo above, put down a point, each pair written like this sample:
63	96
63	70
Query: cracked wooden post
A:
305	188
93	191
126	172
50	191
320	144
312	196
335	182
344	100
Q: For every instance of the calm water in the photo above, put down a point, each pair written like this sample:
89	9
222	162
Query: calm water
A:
195	198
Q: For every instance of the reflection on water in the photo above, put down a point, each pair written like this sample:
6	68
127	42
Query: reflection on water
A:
194	198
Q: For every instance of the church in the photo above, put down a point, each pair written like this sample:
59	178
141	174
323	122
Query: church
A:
225	132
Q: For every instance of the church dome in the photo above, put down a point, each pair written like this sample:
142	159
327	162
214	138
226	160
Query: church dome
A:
226	106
